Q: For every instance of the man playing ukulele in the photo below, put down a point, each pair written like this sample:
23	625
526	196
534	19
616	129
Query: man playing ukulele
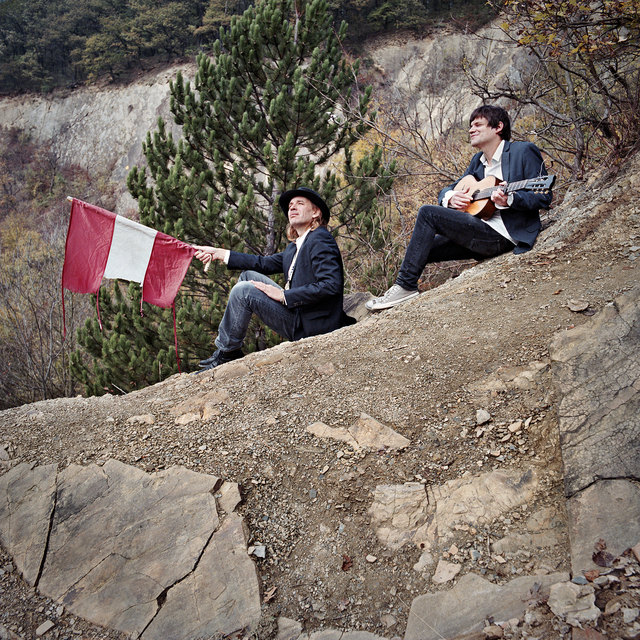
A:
506	216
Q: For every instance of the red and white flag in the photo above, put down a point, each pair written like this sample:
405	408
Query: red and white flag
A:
101	244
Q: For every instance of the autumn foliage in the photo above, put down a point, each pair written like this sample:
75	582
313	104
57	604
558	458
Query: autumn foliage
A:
583	78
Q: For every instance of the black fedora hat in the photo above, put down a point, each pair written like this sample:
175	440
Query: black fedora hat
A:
310	194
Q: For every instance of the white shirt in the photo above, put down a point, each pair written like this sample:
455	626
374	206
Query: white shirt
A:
299	242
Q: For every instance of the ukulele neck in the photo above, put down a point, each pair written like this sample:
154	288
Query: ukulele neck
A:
483	194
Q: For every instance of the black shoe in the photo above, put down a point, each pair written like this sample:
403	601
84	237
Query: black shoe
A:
209	360
218	358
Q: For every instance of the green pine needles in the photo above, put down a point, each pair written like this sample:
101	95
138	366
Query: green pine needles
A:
277	105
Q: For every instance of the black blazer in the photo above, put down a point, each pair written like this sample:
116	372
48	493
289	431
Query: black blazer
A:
316	289
520	161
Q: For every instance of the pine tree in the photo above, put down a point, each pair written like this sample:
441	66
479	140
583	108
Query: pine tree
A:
276	106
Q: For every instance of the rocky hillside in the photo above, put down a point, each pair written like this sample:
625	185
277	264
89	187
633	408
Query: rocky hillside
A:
386	473
101	129
444	469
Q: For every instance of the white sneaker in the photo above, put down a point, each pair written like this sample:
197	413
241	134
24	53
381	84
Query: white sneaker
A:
393	296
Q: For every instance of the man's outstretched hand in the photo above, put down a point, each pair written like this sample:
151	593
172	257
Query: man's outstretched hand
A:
207	254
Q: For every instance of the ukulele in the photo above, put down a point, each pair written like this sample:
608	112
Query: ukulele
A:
480	191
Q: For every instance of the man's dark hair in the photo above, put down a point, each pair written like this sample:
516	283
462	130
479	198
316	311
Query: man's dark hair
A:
494	115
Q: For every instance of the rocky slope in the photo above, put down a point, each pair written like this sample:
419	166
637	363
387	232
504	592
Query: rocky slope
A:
101	129
462	382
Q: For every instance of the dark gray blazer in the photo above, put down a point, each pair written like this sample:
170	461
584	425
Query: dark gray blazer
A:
520	161
316	290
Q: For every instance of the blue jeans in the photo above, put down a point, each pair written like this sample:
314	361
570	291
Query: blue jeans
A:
447	234
245	300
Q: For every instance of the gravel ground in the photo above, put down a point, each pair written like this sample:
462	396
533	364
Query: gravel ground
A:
479	341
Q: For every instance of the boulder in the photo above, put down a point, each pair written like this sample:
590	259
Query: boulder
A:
27	500
596	368
146	554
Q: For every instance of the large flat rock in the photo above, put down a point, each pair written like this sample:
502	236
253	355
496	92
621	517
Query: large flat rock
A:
464	608
218	598
608	510
597	370
146	554
427	517
27	498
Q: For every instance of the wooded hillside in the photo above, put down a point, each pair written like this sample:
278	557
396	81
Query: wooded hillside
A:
47	44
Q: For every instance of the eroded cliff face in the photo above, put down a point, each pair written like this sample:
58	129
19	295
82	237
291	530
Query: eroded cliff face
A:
425	77
98	129
101	129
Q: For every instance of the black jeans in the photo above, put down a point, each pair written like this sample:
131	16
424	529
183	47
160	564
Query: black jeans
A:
447	234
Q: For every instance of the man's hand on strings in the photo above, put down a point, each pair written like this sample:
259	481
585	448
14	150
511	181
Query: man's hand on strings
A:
275	293
460	199
499	197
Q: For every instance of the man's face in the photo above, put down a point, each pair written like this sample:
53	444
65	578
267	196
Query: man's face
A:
302	211
482	135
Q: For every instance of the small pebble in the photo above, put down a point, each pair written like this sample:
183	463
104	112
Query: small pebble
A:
44	627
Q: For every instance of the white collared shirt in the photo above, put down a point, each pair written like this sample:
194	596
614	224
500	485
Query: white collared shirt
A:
299	242
493	167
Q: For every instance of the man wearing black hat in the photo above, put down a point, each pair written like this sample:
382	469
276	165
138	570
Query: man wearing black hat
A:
310	302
